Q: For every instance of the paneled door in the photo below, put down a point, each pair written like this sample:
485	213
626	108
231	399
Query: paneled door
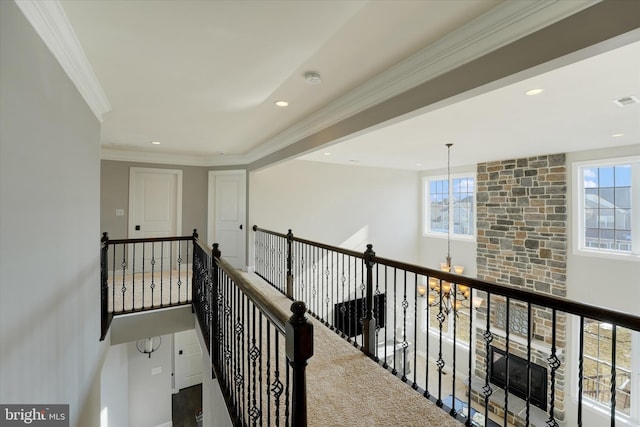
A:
155	210
227	214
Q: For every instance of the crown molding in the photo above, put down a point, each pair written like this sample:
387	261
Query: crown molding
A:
110	153
50	22
498	27
507	22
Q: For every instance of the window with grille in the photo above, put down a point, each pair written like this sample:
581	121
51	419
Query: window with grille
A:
450	204
609	206
598	365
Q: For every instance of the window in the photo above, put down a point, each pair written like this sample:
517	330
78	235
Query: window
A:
609	197
596	380
450	204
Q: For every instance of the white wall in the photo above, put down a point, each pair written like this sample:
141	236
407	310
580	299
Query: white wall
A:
607	282
150	385
339	205
587	276
214	408
114	388
49	223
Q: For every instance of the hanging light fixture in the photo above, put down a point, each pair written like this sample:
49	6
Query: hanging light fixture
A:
440	292
148	345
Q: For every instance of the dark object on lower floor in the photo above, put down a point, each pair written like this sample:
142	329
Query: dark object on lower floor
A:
185	405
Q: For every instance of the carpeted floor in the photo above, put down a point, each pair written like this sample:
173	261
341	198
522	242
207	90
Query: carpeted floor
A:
345	387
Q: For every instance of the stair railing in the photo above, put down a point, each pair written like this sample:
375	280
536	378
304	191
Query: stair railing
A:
258	352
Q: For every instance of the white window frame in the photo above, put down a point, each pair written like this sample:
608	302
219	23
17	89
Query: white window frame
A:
579	246
600	407
426	223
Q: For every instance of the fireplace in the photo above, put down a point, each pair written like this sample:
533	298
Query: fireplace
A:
518	377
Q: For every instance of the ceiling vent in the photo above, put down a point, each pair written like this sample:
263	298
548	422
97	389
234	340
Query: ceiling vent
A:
626	100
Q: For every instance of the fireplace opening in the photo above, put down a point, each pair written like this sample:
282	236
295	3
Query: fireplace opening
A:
518	377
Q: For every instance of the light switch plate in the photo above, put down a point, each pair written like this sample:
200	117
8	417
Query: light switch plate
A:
156	371
119	212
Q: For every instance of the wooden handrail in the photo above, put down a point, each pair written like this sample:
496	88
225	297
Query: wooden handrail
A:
565	305
273	313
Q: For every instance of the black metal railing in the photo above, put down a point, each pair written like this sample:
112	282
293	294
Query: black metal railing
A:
143	274
258	352
436	330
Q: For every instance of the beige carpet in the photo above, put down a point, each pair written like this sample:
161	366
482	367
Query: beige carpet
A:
159	289
346	388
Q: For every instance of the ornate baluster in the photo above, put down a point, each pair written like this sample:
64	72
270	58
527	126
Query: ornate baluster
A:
454	313
488	337
580	370
427	314
529	338
554	364
405	344
471	344
415	331
153	264
440	363
254	354
613	375
506	361
277	387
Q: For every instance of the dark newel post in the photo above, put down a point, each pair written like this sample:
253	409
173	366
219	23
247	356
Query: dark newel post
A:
214	327
369	321
104	286
289	264
299	338
194	282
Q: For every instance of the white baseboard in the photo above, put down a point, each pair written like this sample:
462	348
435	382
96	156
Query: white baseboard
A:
167	424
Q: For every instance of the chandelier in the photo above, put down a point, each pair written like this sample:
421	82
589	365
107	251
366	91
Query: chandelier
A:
441	293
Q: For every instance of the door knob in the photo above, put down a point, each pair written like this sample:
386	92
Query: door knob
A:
240	226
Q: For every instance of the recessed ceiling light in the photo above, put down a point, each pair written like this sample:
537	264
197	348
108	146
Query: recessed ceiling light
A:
418	164
533	92
617	135
327	153
155	142
282	103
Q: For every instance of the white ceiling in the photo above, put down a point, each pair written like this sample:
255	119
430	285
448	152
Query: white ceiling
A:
574	112
201	77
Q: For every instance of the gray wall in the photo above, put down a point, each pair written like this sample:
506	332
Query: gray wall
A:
49	223
114	194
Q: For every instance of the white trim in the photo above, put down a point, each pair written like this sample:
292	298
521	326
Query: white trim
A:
111	153
167	424
500	26
578	208
132	173
50	22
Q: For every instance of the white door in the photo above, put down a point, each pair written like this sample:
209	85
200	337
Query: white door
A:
187	359
227	214
155	210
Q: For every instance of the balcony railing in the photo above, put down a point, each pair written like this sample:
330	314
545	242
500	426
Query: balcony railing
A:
436	330
258	353
144	274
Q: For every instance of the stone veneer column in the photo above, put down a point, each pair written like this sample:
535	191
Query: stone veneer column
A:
522	242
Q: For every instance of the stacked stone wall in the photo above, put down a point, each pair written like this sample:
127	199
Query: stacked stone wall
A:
522	242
